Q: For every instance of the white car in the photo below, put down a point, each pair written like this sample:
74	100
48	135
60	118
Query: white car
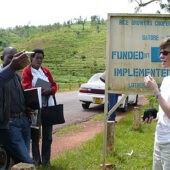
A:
94	92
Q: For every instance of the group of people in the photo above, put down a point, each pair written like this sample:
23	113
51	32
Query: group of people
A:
15	131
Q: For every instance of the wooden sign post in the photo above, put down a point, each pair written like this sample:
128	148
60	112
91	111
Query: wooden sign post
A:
110	137
137	118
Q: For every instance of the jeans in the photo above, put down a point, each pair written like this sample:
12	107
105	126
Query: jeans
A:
112	100
46	144
161	156
16	139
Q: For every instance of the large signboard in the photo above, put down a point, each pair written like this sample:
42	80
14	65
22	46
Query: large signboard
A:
133	51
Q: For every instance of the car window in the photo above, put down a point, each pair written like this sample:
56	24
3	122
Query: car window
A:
95	78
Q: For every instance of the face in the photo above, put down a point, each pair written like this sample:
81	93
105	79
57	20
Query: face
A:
8	56
165	57
37	60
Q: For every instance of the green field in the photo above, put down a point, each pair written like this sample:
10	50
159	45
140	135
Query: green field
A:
71	53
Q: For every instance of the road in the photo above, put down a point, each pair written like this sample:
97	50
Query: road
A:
73	112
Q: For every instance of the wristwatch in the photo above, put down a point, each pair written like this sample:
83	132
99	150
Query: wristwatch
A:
157	95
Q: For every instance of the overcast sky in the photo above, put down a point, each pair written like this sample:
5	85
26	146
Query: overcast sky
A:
43	12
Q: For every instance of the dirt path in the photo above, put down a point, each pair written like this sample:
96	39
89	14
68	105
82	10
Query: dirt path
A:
87	131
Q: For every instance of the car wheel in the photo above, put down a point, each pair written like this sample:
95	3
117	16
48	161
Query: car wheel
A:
125	108
136	102
85	105
5	160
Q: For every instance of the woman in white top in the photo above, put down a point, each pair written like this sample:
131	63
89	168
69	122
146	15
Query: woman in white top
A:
30	75
161	155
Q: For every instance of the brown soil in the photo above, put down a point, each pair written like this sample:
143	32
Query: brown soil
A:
88	130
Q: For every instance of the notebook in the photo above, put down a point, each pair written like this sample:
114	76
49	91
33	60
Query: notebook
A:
33	98
42	83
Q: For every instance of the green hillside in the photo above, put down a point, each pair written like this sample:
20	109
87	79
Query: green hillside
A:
71	53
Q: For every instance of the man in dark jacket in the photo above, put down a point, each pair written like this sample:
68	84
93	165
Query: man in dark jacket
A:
14	123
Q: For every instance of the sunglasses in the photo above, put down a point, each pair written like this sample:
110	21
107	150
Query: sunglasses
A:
165	52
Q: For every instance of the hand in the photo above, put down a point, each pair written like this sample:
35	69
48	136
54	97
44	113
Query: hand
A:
148	120
19	61
151	84
28	110
47	92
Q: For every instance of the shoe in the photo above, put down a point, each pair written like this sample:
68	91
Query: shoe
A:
113	121
37	163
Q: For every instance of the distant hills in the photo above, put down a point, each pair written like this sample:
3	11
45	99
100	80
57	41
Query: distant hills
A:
73	52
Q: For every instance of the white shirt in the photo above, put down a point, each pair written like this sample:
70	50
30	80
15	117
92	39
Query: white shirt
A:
40	74
162	134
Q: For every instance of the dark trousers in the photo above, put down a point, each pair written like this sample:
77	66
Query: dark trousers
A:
112	100
46	144
16	139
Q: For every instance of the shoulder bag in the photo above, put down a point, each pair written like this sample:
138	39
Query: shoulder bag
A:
51	115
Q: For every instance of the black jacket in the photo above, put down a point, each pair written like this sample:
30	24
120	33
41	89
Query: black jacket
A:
5	106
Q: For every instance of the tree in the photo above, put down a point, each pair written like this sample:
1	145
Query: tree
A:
69	23
98	28
95	20
83	23
164	5
80	20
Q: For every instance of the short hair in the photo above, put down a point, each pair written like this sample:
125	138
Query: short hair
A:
37	50
7	50
165	43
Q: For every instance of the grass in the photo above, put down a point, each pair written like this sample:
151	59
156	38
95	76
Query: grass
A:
68	129
90	155
98	117
68	86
